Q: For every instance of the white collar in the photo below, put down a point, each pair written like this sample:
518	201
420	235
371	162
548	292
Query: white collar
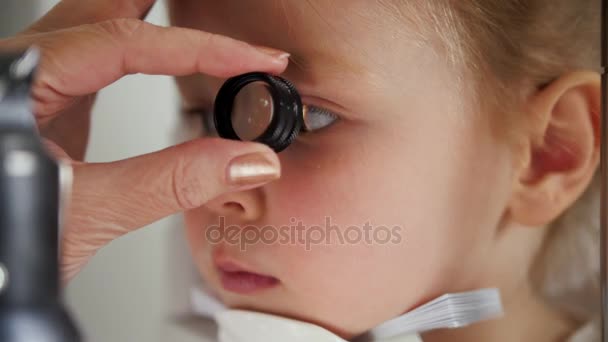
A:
447	311
250	326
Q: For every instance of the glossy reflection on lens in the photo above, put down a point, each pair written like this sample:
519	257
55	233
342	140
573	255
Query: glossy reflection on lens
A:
252	111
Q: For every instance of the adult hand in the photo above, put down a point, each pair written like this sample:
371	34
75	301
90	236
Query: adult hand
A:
87	45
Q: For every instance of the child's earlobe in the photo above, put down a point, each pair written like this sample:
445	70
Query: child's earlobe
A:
562	146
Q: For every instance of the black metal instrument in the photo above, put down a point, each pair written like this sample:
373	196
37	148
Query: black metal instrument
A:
30	196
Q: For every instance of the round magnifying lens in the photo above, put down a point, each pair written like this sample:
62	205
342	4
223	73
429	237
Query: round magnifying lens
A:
252	110
259	107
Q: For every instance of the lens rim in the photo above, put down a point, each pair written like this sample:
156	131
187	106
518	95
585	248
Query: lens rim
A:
287	118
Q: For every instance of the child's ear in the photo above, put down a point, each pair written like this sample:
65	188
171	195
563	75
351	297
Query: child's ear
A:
562	148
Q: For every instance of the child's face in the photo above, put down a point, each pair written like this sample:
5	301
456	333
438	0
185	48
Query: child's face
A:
407	151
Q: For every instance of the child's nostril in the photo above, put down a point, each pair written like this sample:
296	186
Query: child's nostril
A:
233	206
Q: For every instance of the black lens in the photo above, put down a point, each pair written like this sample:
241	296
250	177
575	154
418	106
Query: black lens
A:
258	107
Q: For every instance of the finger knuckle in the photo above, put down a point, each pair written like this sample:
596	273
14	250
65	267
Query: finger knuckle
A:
188	191
214	40
122	27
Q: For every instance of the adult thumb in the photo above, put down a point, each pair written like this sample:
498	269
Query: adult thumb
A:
113	199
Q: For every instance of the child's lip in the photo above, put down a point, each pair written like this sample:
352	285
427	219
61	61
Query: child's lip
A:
223	260
246	283
229	265
241	279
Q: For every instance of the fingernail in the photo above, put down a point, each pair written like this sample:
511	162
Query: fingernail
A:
278	54
252	169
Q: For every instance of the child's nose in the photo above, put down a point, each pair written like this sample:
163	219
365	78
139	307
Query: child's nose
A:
241	206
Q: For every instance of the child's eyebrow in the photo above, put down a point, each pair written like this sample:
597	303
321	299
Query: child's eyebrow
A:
326	60
299	62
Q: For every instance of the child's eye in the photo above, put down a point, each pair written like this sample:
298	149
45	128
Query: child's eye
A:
316	118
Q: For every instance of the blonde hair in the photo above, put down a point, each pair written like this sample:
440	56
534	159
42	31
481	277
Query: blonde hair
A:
509	48
512	48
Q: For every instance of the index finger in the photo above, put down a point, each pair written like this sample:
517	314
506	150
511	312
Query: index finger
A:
69	13
85	59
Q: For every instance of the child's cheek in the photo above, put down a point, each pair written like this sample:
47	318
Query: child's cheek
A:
404	182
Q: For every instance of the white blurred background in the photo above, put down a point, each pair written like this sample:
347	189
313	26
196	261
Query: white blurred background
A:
132	288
